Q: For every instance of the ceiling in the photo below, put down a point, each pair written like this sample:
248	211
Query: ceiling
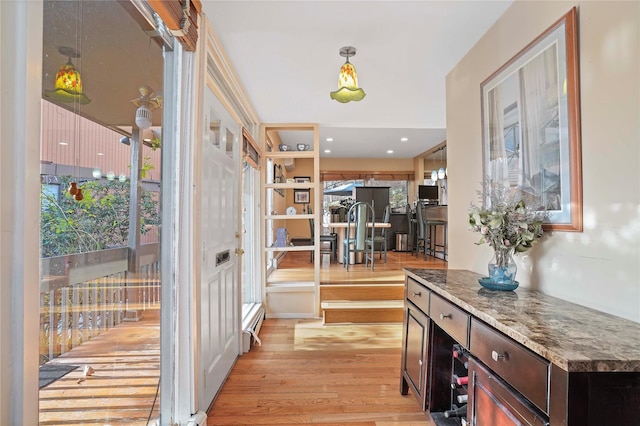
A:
286	55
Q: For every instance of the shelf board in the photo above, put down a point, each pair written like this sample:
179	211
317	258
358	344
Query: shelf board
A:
290	216
290	248
296	185
290	154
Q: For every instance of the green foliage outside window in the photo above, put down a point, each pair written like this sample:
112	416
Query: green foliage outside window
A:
98	222
398	194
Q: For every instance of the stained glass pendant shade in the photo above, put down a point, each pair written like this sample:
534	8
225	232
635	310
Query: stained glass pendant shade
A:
348	80
68	85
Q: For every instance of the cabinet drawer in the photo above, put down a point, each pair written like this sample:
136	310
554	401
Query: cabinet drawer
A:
418	295
491	402
450	318
524	370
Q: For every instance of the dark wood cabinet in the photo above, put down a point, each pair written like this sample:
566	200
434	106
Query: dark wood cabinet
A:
511	380
427	349
414	354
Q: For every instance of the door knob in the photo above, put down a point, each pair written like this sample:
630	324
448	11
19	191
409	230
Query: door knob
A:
239	252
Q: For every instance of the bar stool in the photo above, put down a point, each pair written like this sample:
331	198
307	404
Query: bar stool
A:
433	246
410	229
421	233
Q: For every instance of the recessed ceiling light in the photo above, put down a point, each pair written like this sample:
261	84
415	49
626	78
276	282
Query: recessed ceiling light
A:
100	153
63	143
329	139
327	151
404	139
389	151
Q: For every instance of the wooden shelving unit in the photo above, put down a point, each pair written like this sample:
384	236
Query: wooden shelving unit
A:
299	298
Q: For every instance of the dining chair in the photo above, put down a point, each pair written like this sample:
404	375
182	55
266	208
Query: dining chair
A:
411	228
421	238
359	217
332	239
379	238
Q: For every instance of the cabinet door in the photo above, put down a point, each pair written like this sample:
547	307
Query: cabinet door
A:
493	403
414	353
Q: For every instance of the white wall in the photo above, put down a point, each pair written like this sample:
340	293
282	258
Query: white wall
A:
599	267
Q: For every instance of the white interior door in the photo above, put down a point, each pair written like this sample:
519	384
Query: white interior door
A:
219	288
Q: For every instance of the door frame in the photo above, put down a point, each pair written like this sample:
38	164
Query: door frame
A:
21	72
191	75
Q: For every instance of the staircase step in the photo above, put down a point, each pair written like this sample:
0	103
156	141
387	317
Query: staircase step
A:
362	292
362	311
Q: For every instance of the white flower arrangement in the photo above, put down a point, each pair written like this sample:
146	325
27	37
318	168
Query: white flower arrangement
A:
505	222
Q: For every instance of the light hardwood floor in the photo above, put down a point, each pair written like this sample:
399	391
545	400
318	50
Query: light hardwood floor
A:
296	266
307	373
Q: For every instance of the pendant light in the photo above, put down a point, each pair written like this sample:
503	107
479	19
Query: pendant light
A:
68	84
441	172
348	80
434	173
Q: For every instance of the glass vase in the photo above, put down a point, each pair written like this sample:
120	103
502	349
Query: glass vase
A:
502	267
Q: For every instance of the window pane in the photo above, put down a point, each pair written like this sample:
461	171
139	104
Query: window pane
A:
99	287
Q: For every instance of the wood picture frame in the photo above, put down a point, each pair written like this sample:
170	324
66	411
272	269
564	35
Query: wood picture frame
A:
301	196
278	177
531	124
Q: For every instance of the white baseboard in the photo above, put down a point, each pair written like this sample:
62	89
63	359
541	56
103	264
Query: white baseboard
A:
291	315
251	327
198	419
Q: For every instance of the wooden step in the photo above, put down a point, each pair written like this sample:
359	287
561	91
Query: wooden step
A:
361	292
362	311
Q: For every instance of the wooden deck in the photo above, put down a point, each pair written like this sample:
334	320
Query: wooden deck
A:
121	391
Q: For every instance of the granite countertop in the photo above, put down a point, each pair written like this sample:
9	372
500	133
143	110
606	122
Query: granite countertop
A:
573	337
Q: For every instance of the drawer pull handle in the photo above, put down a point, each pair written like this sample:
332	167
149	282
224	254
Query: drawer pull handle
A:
443	316
497	357
417	293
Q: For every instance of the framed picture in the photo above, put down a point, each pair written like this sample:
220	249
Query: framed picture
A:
531	124
301	196
278	177
302	179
